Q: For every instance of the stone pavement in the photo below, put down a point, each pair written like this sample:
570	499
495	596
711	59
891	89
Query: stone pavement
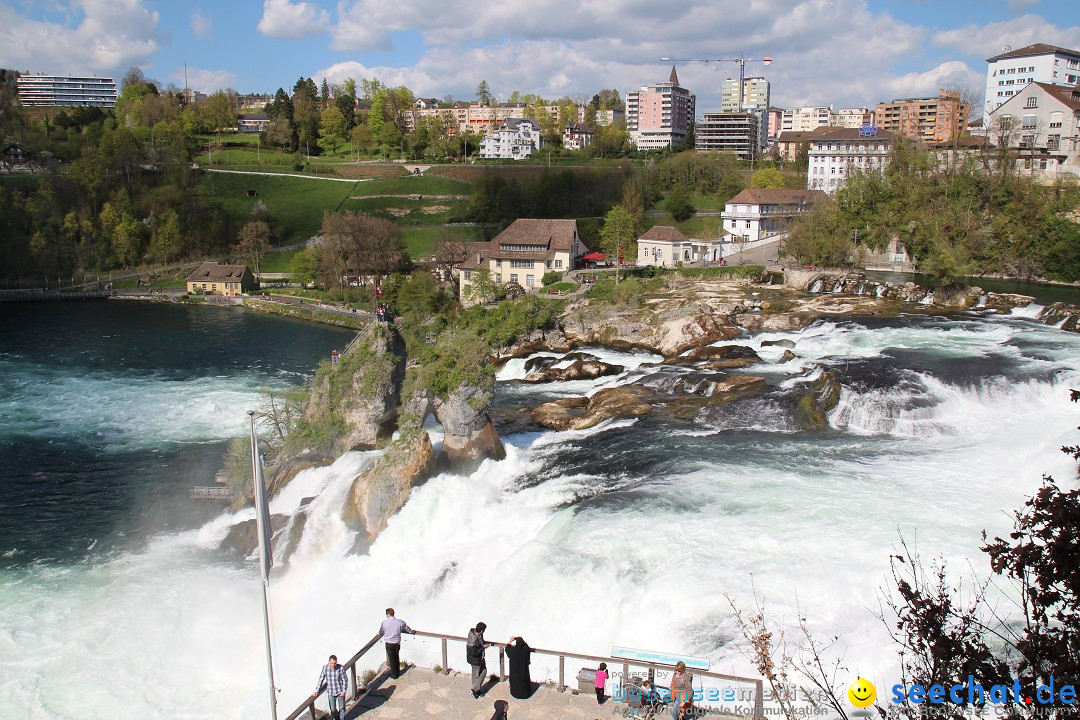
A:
421	693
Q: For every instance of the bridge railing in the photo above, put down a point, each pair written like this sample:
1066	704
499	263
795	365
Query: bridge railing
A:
308	705
728	694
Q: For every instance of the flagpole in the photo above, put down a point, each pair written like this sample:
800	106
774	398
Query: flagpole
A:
266	558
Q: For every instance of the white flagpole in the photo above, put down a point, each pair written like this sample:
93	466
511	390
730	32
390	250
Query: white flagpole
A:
266	556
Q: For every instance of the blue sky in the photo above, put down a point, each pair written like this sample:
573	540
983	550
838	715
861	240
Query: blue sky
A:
839	52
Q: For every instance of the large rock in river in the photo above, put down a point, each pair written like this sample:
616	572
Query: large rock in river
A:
381	490
470	436
578	370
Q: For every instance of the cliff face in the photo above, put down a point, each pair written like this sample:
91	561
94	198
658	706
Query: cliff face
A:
381	490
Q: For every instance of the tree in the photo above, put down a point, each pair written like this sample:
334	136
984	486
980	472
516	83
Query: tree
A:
331	129
361	139
482	286
216	113
483	93
769	178
166	241
253	241
617	235
679	205
449	254
279	132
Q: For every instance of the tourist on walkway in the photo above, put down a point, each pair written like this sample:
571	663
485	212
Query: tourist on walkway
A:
682	689
501	709
474	654
601	681
335	680
390	632
518	652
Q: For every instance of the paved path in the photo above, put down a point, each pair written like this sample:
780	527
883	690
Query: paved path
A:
421	693
291	175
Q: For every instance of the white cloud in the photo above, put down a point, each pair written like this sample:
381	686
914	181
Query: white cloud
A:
825	51
946	75
201	23
100	35
284	19
1018	5
987	40
203	80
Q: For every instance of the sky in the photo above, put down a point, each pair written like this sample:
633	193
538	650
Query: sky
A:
845	53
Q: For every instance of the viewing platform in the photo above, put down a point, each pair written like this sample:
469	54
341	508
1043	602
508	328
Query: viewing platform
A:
436	684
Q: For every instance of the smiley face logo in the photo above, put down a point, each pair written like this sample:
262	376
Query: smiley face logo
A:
862	693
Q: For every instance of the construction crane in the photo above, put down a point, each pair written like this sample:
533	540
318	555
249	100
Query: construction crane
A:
740	61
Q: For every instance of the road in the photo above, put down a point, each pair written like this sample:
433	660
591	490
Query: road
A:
767	254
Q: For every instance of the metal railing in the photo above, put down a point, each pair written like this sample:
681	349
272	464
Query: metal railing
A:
309	704
642	668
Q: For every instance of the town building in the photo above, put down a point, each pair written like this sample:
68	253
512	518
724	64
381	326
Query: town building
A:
212	278
1042	121
665	246
756	96
16	158
788	145
252	122
515	139
660	115
852	117
462	117
576	137
66	91
835	155
735	132
522	254
254	102
1008	72
775	123
805	119
930	120
759	214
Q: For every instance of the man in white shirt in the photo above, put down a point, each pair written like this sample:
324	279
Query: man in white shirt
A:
390	631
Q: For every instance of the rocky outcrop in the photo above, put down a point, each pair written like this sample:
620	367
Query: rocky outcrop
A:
470	436
578	370
629	401
243	537
817	399
381	490
726	357
667	328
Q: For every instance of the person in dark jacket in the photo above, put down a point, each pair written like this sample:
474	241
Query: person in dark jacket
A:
474	654
518	652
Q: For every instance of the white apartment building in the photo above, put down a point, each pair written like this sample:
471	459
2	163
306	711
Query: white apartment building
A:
515	139
659	115
66	91
665	246
755	98
523	253
1043	122
1008	72
805	119
835	155
852	117
757	214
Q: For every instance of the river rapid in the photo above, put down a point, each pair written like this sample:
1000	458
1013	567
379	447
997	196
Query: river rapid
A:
115	600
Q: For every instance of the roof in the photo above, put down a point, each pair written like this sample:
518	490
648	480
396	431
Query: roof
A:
664	233
553	234
774	196
253	116
673	78
804	135
475	255
578	128
214	272
1067	96
848	134
1036	49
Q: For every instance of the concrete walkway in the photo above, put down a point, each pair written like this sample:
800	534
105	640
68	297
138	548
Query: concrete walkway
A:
421	693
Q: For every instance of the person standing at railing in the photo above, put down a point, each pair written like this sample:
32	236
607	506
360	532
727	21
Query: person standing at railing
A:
390	631
518	652
474	654
335	680
682	689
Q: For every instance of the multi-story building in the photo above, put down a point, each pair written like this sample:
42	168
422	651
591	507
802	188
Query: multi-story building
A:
522	253
775	124
252	122
576	137
665	246
756	95
464	117
1008	72
736	132
67	91
835	155
1042	121
930	120
659	115
516	139
758	214
852	117
788	145
805	119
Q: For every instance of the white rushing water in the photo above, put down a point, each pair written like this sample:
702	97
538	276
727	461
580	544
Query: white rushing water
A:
173	630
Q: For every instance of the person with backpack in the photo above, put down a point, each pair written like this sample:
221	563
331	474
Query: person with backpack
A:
474	654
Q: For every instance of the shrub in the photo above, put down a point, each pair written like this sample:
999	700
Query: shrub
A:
551	277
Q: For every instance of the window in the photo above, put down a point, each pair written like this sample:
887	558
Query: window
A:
528	281
1030	121
513	277
1053	142
1032	102
659	254
498	278
214	286
747	223
558	264
468	274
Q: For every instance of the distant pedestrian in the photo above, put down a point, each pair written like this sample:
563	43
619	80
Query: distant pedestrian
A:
518	652
502	708
390	632
474	654
336	682
601	681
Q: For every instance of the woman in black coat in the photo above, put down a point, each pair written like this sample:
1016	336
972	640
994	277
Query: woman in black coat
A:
518	652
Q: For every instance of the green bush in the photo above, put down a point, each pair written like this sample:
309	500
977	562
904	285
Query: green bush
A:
723	271
551	277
